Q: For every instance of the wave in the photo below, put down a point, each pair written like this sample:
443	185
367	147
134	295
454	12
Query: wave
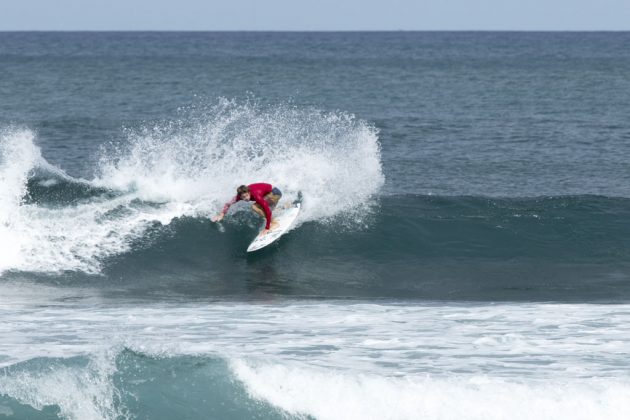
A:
561	229
142	220
551	248
52	222
328	360
126	385
136	385
337	395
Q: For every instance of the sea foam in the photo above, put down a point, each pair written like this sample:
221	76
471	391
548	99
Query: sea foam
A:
338	360
331	395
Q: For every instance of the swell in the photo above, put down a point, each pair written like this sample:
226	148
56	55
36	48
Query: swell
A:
567	229
472	248
432	247
142	224
581	228
563	228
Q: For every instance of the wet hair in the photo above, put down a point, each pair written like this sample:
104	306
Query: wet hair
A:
242	189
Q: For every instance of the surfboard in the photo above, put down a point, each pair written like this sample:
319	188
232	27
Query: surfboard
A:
284	220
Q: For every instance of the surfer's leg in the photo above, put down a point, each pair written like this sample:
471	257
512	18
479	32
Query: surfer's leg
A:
258	210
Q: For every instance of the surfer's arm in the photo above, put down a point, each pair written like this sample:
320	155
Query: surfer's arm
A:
226	207
263	203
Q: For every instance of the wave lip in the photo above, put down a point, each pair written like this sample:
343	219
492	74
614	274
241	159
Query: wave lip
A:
18	156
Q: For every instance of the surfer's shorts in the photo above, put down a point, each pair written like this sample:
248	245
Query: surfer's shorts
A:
273	197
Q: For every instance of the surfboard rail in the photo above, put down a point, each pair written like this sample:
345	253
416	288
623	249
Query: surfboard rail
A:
284	220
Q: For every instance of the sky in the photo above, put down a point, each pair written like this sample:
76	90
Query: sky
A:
314	15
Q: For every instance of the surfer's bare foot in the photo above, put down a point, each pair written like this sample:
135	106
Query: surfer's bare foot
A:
273	225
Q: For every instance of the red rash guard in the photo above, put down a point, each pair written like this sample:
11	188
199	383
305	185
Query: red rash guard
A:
257	193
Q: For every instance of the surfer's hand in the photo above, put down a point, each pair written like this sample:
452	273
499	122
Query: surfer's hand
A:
218	217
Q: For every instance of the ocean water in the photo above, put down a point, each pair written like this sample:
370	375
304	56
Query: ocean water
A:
463	251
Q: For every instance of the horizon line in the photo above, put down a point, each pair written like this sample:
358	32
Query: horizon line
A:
312	30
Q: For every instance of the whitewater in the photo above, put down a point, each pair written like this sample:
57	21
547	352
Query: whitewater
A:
359	360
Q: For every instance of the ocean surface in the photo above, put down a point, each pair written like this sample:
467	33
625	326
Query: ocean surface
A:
463	251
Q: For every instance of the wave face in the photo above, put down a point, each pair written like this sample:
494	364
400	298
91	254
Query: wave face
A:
553	248
472	248
187	168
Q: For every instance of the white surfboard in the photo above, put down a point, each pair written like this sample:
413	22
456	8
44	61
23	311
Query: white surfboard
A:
284	220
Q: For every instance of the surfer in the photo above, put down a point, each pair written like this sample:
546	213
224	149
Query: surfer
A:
266	197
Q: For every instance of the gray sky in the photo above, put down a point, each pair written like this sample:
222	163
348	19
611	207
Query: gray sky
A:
314	15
